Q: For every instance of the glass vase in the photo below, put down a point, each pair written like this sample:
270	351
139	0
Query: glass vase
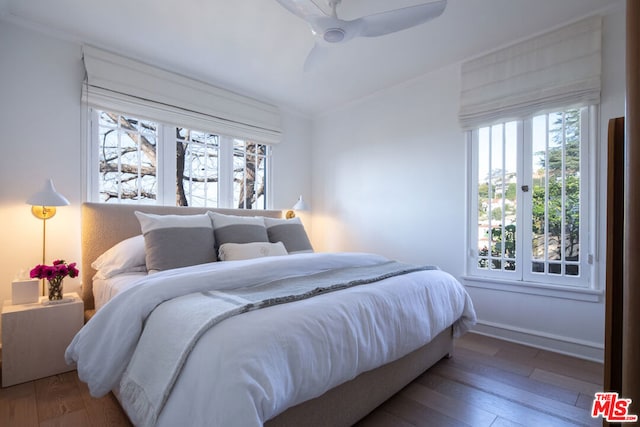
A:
55	289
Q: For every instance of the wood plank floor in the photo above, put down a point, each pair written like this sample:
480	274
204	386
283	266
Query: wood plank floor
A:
488	382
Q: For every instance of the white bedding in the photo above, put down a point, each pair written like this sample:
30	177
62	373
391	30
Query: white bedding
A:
256	365
106	289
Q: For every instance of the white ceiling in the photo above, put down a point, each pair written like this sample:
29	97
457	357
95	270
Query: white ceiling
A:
258	48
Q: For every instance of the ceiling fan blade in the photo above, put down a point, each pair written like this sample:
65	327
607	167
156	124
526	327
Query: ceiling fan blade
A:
317	55
308	11
383	23
305	9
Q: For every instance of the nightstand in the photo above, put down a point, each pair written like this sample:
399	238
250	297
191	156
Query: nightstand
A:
35	337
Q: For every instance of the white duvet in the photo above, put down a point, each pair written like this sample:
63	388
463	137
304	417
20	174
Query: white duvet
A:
251	367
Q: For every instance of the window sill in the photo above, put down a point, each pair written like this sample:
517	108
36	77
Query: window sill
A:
554	291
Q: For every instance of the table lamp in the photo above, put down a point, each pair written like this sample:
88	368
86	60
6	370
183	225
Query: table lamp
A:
43	207
300	205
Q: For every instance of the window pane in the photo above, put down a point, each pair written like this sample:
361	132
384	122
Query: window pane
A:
538	180
249	177
261	178
553	163
197	168
510	193
572	186
127	158
556	193
496	192
555	268
483	196
572	270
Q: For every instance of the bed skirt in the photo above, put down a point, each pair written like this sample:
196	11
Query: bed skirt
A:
350	402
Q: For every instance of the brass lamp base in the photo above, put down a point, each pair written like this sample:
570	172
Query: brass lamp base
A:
43	213
290	214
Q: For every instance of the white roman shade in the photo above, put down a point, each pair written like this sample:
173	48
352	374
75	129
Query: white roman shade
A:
560	68
128	86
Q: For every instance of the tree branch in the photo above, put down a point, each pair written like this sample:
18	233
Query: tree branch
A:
127	168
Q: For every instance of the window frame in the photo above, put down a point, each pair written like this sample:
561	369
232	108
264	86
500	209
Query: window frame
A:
166	163
521	280
473	220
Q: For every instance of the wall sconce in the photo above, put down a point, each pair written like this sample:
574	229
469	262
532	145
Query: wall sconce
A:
300	205
43	207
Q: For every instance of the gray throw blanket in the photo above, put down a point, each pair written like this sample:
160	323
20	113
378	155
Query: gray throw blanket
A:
173	328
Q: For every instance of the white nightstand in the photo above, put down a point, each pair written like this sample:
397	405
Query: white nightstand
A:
35	337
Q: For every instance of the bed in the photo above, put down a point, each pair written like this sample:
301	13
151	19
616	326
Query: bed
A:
308	391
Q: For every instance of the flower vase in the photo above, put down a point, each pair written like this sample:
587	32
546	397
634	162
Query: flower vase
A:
55	289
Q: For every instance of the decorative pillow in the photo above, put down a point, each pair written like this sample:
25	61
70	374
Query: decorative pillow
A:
173	241
290	232
238	229
123	257
238	251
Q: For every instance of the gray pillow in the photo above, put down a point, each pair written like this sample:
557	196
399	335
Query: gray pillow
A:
290	232
238	229
173	241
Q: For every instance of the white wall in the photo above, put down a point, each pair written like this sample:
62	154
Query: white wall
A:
389	174
40	114
291	164
389	177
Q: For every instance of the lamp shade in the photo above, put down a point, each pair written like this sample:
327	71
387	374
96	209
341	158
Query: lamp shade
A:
300	205
48	196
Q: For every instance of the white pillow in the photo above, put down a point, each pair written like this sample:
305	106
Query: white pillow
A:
126	256
238	251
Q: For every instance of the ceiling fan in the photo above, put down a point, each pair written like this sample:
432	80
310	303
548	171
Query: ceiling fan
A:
329	29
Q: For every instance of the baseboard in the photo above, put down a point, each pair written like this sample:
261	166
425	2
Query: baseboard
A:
582	349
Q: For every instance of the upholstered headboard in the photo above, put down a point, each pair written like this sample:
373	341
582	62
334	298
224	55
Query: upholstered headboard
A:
104	225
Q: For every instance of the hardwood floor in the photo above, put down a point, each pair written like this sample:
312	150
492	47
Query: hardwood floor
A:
488	382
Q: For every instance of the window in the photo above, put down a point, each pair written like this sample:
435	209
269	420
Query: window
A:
249	175
143	161
530	187
127	158
197	155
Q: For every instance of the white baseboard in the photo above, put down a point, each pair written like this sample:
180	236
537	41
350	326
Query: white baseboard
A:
582	349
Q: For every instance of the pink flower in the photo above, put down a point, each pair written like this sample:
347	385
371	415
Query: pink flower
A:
36	272
73	271
58	270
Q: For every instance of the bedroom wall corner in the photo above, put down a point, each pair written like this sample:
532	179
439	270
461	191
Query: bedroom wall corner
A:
291	165
389	173
389	177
